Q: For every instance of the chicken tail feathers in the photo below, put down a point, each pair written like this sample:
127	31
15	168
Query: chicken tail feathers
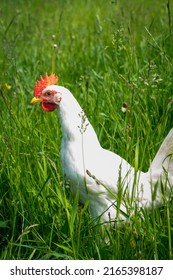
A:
162	165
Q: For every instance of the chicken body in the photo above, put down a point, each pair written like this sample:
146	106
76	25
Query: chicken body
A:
97	174
107	181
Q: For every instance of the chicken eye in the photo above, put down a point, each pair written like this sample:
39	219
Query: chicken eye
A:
48	93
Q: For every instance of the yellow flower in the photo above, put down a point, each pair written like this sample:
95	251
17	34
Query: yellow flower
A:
7	86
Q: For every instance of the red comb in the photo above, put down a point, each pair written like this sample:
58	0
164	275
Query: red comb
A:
44	82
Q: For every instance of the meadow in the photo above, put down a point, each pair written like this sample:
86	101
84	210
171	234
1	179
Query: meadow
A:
116	57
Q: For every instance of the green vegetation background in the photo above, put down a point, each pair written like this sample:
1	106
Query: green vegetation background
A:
110	54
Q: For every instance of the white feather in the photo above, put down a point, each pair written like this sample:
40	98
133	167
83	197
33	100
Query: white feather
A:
100	176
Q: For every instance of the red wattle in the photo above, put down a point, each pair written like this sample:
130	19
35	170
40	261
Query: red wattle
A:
48	107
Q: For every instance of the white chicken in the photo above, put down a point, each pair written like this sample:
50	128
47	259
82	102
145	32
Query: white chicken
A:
110	184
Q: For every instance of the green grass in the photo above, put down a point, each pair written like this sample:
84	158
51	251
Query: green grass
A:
109	53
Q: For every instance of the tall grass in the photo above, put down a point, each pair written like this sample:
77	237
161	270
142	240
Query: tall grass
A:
108	53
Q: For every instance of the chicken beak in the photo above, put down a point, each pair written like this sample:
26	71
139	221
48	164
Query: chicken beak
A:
36	100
